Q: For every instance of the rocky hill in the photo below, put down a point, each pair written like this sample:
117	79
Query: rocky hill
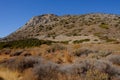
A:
97	27
51	47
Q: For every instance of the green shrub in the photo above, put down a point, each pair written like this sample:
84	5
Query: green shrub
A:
81	41
24	43
64	42
104	26
110	40
97	34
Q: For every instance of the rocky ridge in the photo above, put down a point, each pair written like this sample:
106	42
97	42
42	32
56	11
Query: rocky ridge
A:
98	27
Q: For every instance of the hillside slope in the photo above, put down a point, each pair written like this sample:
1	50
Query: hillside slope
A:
70	27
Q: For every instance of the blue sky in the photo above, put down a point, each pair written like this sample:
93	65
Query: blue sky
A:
15	13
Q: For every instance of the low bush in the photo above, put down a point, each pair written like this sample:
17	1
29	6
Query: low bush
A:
104	67
103	53
47	71
86	69
115	59
81	41
22	63
24	43
5	51
82	52
17	53
104	26
111	40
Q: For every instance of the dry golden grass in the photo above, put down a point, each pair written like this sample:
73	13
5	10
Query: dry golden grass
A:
28	75
2	57
61	57
72	77
7	74
104	46
68	58
76	46
96	75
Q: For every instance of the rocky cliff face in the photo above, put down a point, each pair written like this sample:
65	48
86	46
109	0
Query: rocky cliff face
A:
50	26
